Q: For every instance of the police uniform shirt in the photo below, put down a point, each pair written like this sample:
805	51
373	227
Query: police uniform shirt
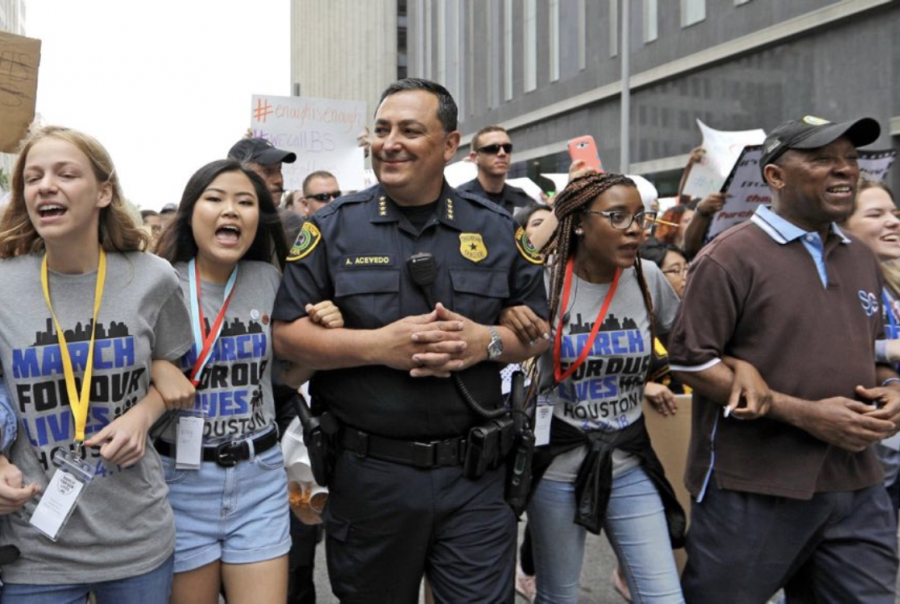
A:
354	253
510	198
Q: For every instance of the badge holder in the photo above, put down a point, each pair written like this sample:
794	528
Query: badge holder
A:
189	439
62	494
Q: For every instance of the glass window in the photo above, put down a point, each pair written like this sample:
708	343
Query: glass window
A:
508	50
554	40
530	45
692	11
651	21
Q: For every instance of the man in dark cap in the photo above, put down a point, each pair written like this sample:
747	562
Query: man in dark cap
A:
787	489
265	159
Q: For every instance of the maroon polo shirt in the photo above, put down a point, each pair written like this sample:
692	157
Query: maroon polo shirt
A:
762	301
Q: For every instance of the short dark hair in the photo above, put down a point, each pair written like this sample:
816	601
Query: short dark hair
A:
485	130
655	251
447	111
316	174
147	213
524	214
178	245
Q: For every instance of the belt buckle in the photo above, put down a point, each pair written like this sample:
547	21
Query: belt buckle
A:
448	452
225	455
423	455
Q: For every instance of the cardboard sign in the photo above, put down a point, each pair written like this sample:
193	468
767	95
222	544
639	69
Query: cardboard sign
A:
670	437
19	60
748	190
722	151
322	132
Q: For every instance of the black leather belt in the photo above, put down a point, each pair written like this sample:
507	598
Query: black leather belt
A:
433	454
228	454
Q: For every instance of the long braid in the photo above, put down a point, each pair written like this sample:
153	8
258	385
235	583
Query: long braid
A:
648	304
575	197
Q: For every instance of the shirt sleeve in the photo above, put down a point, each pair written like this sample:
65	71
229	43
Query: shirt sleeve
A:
526	280
706	319
665	300
306	278
172	332
9	424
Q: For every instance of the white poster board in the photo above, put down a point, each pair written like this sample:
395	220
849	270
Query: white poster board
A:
322	132
748	190
460	172
722	151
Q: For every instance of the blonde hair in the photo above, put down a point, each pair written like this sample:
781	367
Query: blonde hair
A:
117	232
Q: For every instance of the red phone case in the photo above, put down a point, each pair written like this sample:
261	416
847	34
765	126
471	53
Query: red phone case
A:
585	149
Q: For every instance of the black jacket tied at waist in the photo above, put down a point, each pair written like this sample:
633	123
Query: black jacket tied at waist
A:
593	484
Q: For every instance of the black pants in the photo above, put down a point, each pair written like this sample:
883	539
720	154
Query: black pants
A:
386	524
301	563
835	548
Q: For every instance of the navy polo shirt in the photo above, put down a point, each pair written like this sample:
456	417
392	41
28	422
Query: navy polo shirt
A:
354	253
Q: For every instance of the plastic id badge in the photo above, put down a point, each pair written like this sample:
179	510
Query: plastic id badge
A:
543	414
189	439
61	495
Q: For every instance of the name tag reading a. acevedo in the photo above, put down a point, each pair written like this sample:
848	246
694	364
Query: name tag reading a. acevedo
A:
62	494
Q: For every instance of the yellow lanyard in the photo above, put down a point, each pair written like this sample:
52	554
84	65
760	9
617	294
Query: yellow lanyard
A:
79	404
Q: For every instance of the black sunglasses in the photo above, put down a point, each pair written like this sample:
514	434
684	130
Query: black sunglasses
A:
495	148
325	197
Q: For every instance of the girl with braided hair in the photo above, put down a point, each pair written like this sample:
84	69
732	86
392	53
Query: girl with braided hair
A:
599	467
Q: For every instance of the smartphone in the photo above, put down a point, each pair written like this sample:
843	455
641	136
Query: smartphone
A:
585	149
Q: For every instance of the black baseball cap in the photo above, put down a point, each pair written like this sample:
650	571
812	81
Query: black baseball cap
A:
812	133
169	208
260	151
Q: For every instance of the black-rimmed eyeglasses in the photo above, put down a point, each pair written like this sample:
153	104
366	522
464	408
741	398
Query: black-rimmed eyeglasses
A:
623	220
495	148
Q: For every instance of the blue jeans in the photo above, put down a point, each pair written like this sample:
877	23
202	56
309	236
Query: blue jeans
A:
153	587
636	528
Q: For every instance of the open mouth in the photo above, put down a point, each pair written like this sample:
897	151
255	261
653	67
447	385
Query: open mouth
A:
891	238
228	234
50	210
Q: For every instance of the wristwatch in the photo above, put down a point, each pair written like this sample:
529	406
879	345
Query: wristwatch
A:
495	346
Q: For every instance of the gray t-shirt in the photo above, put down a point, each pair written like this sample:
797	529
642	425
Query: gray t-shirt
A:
236	386
123	524
607	390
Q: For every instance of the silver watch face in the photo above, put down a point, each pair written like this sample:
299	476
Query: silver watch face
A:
495	348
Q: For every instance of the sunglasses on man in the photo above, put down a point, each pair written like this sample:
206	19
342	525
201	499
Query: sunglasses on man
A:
325	197
495	148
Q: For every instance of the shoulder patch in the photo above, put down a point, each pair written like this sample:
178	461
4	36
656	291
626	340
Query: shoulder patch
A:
306	242
528	251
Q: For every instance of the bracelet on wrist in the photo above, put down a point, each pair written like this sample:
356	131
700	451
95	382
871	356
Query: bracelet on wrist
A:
890	380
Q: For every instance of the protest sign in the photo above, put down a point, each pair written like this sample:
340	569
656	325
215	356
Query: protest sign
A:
322	132
722	151
875	165
460	172
747	190
19	60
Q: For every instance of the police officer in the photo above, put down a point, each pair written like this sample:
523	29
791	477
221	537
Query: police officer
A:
400	504
492	153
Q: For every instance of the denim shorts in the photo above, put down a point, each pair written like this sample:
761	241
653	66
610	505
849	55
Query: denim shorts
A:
237	515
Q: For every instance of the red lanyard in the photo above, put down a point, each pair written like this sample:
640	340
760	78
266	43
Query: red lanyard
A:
557	341
209	338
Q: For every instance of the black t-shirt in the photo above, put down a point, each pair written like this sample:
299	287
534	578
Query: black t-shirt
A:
418	215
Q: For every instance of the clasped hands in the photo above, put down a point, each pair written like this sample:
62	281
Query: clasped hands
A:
435	344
